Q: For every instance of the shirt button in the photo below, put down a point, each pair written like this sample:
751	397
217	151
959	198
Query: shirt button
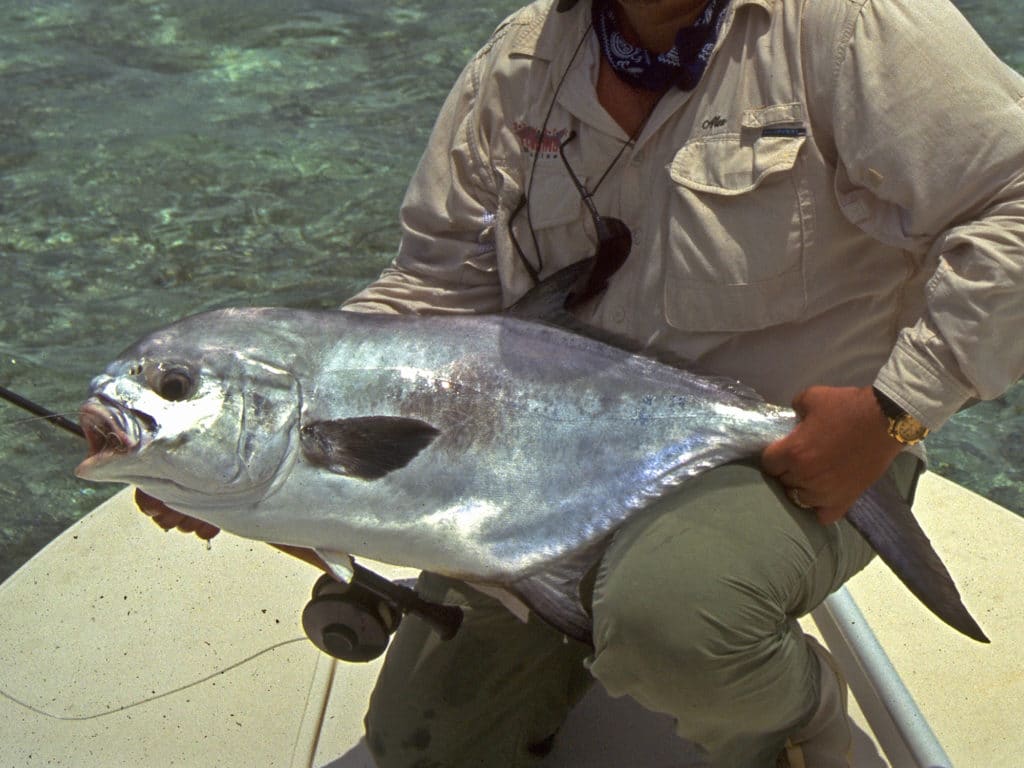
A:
618	315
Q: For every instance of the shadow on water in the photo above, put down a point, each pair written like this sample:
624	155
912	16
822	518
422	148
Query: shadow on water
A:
160	158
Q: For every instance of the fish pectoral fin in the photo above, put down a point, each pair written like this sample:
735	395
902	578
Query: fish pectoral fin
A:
339	564
367	447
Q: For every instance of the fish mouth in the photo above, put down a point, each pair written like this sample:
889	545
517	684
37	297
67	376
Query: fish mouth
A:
111	432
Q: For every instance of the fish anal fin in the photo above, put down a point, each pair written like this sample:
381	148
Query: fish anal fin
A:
886	521
339	564
554	595
366	447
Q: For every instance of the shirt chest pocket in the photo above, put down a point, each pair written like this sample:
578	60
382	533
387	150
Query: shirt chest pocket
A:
740	222
546	230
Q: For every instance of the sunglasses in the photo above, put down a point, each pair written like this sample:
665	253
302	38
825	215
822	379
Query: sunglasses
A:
614	240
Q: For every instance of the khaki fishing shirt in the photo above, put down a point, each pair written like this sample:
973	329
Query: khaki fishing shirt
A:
840	201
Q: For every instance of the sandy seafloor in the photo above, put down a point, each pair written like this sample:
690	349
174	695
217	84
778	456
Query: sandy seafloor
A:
158	158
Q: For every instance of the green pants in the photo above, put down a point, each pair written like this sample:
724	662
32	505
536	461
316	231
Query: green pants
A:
694	605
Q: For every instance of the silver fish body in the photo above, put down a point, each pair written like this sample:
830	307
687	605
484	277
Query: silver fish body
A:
491	448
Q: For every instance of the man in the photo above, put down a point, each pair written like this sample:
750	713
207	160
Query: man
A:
825	199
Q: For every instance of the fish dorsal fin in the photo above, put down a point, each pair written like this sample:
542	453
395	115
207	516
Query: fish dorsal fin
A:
546	301
366	447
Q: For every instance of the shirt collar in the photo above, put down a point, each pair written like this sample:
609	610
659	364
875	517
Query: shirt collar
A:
551	36
547	35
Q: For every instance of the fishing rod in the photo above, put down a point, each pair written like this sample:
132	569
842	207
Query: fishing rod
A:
350	621
38	410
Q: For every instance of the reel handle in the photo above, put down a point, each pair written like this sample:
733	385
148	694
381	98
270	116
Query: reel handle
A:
443	619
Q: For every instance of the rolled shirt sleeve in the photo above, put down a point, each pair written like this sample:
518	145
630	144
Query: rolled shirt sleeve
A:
929	133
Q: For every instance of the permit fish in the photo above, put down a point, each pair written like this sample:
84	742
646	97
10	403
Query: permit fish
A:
504	450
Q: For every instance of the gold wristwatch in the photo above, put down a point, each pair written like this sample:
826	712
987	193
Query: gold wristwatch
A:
903	428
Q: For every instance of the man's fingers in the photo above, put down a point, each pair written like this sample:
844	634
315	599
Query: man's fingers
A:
168	518
150	506
200	528
829	515
800	497
188	524
205	531
800	403
775	460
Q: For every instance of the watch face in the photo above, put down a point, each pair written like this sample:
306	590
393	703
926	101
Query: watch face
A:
909	430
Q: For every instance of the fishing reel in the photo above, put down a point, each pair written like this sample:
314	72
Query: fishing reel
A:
349	622
355	621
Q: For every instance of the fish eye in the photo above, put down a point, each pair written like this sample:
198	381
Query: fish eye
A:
175	384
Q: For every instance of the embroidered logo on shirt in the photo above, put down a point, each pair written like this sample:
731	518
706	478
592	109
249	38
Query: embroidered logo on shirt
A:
713	122
531	140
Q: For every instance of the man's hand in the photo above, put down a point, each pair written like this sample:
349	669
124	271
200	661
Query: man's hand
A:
838	450
168	518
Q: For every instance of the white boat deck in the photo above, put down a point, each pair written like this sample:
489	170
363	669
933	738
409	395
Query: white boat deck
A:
125	646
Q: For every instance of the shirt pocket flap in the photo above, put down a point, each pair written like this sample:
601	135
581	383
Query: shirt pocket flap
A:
773	116
735	163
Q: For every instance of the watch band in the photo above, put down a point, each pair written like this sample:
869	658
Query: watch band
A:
889	408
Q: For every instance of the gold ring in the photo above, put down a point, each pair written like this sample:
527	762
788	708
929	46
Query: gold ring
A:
794	496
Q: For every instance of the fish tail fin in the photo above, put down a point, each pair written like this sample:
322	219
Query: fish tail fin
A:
883	517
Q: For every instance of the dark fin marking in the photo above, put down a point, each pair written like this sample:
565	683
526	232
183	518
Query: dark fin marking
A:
554	594
885	520
367	447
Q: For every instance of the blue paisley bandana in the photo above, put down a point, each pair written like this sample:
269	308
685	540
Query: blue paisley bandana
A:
681	66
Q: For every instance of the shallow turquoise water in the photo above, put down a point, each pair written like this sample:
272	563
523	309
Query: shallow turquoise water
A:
157	158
